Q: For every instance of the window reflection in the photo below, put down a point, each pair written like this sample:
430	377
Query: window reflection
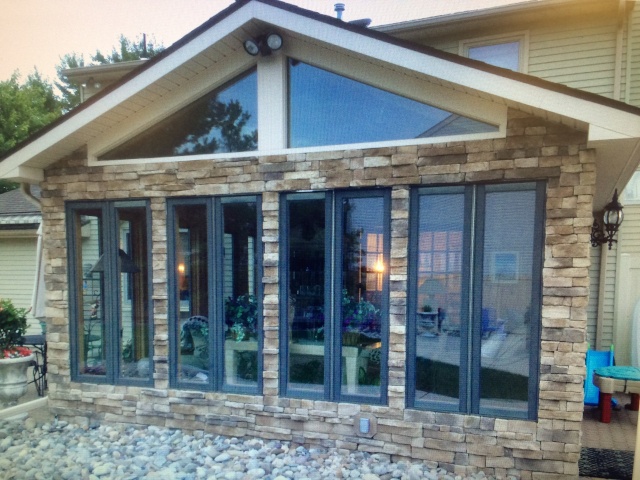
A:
239	277
506	300
225	120
134	305
306	319
328	109
439	299
91	327
193	301
362	274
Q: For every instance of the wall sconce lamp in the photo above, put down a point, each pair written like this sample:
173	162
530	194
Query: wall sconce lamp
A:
612	219
264	44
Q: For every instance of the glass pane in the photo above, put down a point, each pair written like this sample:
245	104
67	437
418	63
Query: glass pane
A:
439	299
134	288
328	109
505	55
306	256
192	292
506	301
239	283
224	120
362	283
91	319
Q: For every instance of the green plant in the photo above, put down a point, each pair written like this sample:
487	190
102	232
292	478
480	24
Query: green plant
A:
241	317
427	308
13	325
359	316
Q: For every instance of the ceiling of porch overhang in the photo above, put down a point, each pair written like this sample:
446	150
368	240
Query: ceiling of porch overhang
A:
203	51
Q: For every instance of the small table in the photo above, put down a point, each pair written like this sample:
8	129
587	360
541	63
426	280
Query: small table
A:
623	379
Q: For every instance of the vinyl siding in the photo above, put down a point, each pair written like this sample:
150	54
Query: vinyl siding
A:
594	291
609	299
580	56
17	273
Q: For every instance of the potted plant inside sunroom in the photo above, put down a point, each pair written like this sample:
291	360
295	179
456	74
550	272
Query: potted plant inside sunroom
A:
14	358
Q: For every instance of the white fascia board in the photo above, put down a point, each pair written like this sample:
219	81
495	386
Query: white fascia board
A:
541	98
22	174
597	133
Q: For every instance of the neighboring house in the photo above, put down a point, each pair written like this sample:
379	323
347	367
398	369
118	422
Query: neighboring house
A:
20	218
346	240
592	45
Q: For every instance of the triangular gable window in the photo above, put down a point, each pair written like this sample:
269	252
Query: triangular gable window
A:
222	121
329	109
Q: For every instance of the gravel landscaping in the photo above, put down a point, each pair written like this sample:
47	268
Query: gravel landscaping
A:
57	450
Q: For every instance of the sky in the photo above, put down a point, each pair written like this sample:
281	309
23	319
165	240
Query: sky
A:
36	33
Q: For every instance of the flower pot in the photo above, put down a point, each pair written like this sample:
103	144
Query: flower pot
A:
13	379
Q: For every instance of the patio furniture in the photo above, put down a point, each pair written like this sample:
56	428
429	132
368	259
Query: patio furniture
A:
595	359
38	344
623	379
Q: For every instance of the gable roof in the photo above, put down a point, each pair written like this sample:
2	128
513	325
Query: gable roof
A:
17	211
614	127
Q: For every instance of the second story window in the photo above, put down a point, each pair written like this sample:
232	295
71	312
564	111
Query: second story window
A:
505	52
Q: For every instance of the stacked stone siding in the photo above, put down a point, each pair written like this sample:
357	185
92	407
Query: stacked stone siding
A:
534	149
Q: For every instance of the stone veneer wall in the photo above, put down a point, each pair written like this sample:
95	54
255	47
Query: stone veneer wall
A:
533	149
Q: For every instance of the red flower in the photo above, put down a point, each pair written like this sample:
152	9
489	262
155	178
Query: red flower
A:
16	352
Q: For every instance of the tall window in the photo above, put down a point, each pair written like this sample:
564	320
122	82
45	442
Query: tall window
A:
474	299
329	109
109	291
215	294
335	270
225	120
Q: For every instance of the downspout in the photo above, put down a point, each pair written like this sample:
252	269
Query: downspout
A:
26	190
629	45
621	24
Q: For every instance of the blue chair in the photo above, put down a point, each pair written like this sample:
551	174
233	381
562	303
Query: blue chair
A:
596	359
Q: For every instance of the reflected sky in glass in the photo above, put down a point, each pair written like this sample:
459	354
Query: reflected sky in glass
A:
328	109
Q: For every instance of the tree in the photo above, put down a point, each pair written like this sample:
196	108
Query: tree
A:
127	50
24	109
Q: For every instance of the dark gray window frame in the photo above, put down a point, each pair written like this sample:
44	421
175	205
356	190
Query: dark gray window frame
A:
472	266
111	303
214	226
333	297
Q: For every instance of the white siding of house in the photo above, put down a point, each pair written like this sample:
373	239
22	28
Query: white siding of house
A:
607	333
18	270
594	295
580	56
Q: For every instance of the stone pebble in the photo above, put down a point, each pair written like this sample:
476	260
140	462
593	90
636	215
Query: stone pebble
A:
59	450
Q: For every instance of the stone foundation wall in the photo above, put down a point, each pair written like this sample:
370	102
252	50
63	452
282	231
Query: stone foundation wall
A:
533	149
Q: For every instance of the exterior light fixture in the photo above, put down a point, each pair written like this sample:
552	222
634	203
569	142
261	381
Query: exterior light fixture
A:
264	44
612	219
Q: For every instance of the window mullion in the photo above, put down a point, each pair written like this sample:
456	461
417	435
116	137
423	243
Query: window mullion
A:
112	309
474	329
